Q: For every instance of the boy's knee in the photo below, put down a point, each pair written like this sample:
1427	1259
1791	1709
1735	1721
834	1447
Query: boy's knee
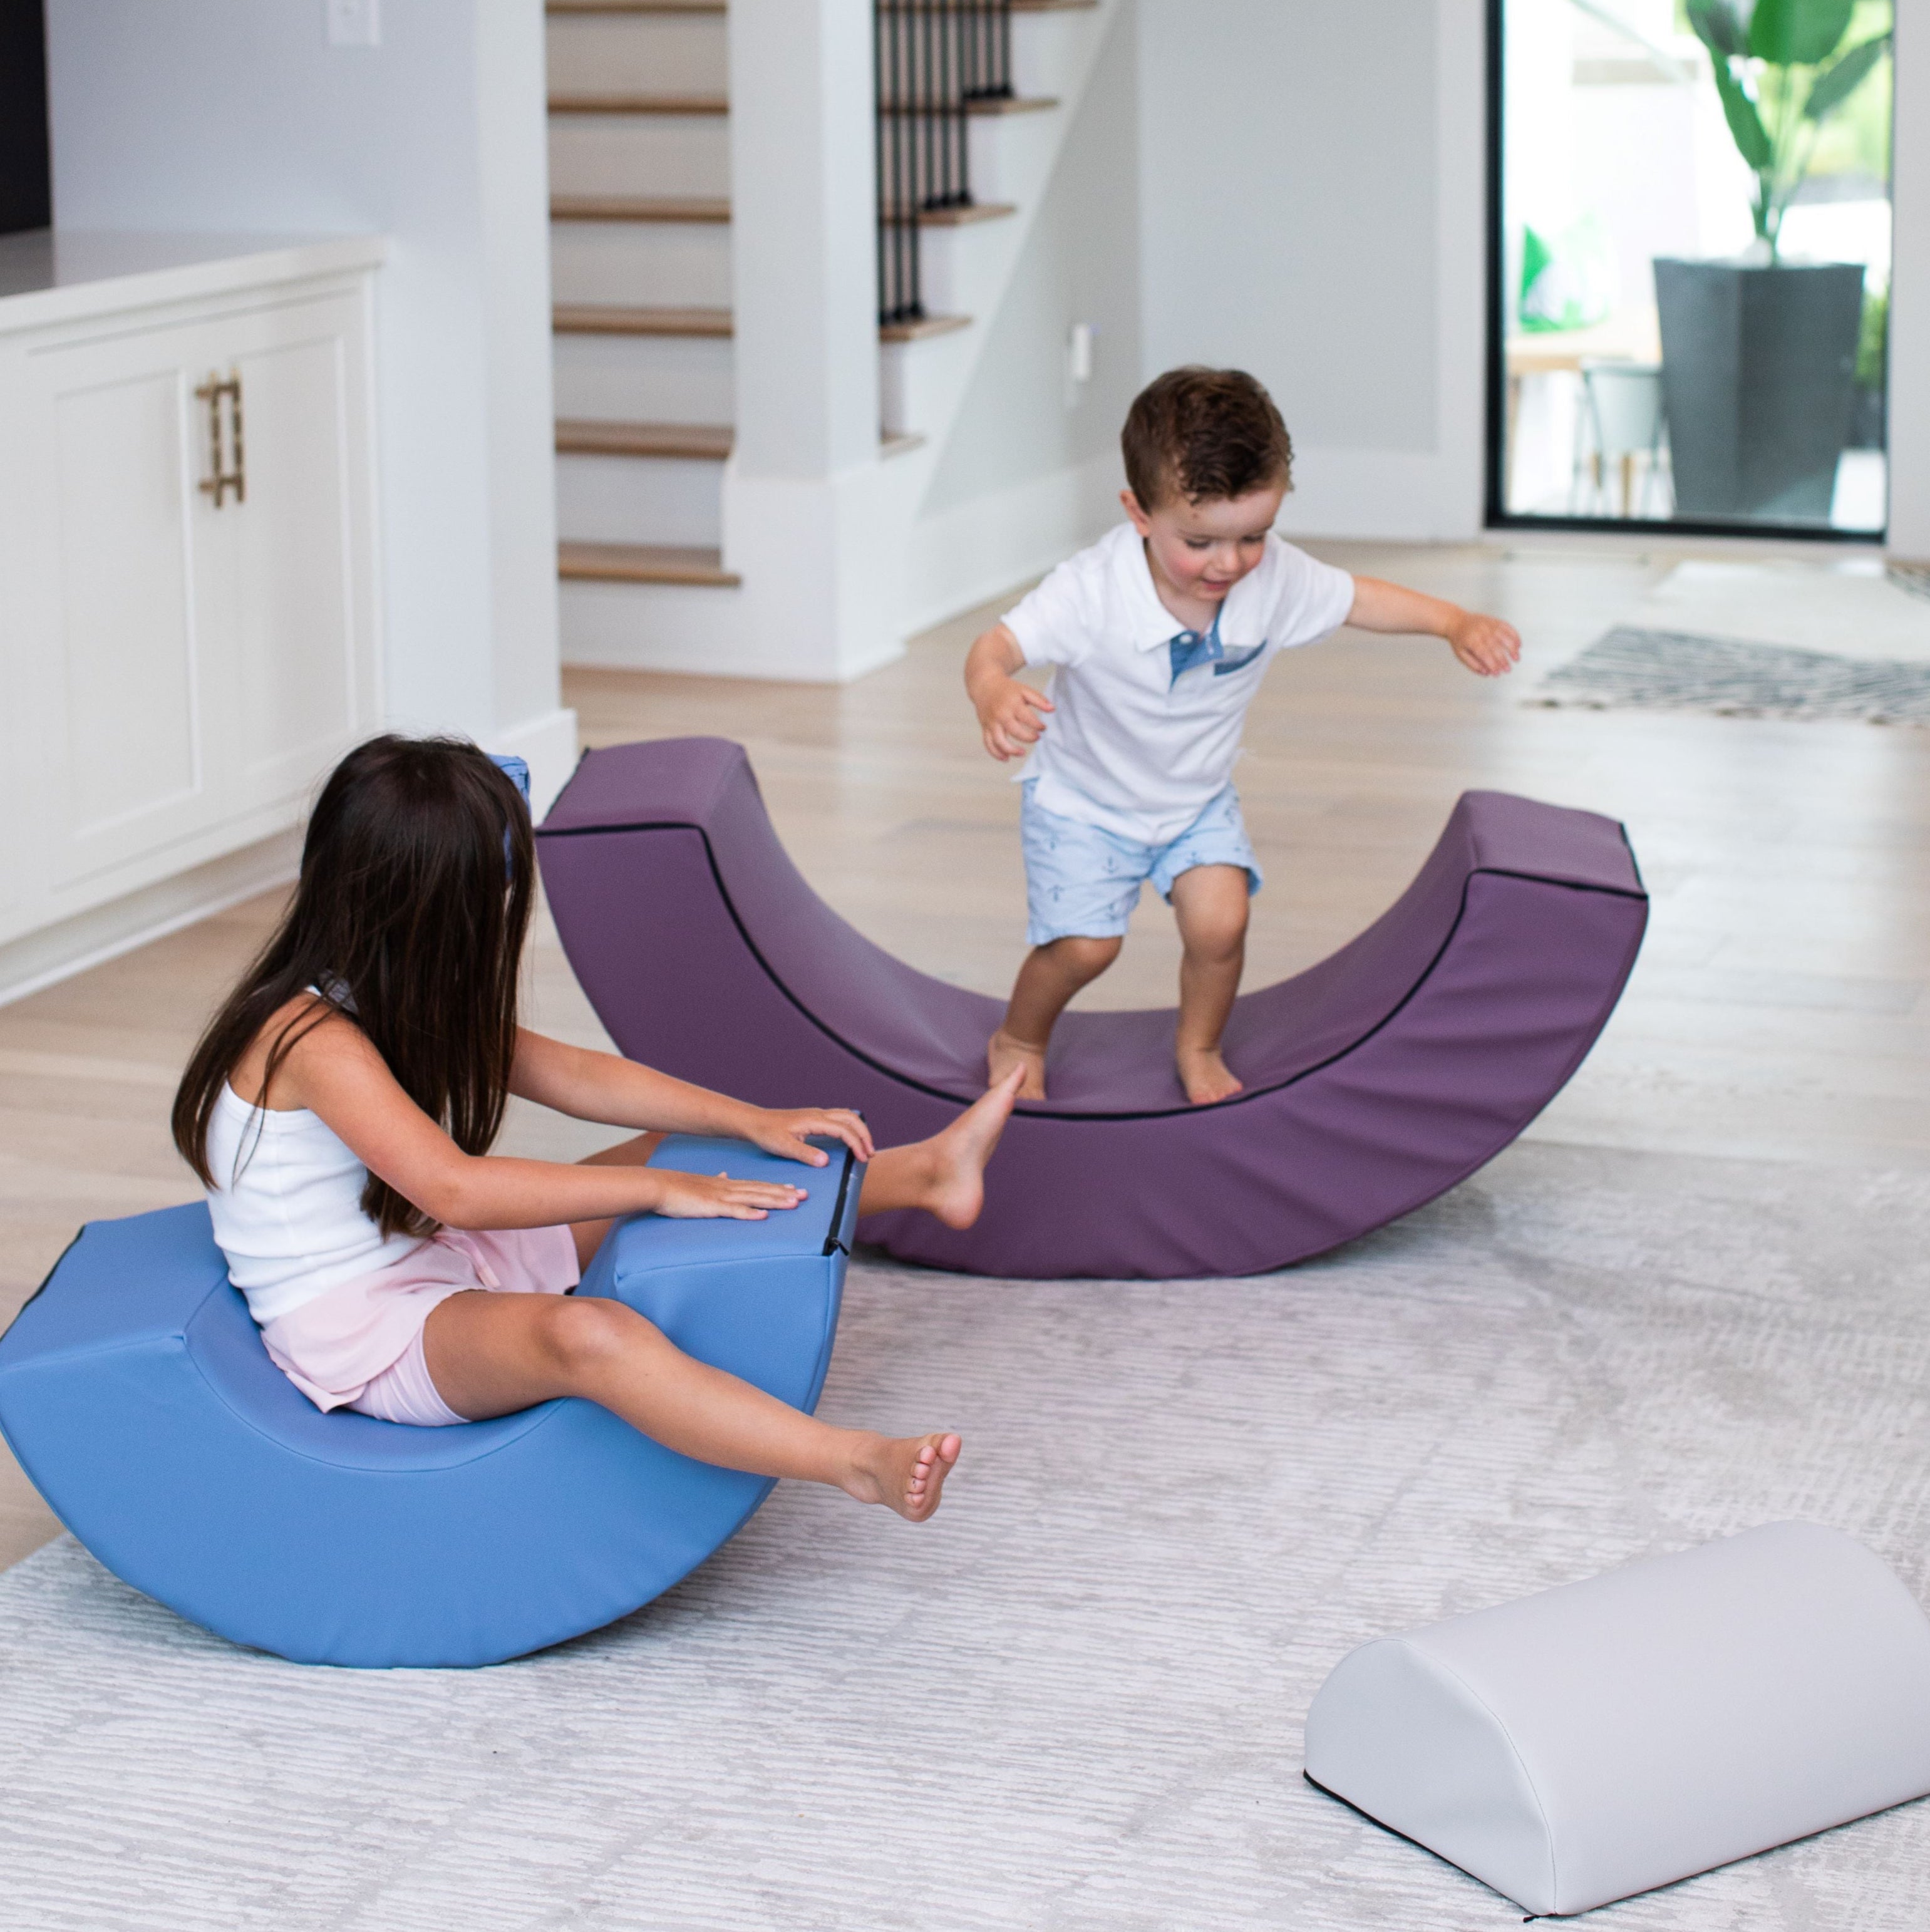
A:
583	1334
1214	933
1085	956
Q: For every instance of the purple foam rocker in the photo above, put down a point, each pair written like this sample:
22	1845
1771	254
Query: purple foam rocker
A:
1374	1082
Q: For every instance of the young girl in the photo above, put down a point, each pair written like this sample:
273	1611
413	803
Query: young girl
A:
339	1106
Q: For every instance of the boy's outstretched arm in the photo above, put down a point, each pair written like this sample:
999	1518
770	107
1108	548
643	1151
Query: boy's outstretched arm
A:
1485	644
1009	710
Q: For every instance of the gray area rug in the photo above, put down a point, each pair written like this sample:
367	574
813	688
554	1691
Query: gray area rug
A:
1074	1701
1675	670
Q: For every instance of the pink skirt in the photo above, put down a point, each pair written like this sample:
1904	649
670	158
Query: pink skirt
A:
358	1345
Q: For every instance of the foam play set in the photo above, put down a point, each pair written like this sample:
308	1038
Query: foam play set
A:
1375	1081
1602	1739
135	1391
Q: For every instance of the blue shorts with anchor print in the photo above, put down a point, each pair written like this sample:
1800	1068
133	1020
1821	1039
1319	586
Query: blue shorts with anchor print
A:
1082	882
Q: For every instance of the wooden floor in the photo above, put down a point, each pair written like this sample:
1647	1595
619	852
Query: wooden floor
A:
1778	1011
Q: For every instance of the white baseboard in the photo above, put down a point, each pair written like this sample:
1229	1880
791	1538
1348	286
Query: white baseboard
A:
547	744
56	952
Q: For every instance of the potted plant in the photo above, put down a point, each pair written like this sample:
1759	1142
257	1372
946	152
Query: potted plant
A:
1759	355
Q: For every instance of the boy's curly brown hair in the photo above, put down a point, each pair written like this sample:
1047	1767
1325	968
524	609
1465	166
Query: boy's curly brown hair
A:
1204	433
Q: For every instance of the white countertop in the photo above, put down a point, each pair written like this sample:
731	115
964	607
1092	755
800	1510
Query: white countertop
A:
49	274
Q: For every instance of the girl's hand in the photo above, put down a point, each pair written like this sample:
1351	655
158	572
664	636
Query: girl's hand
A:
1009	718
706	1197
781	1131
1486	645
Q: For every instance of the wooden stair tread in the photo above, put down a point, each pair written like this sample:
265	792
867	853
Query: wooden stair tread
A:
991	104
706	442
639	208
643	563
602	319
639	103
955	217
920	327
634	7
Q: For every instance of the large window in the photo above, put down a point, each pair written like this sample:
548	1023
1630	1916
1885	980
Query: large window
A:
1690	264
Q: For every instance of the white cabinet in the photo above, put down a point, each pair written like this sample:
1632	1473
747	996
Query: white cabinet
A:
181	661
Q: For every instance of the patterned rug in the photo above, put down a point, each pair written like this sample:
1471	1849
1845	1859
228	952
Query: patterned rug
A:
1676	670
1073	1702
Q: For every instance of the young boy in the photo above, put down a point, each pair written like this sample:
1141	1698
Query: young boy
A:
1159	633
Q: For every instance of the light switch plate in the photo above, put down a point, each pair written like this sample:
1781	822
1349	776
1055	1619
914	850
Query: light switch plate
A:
354	23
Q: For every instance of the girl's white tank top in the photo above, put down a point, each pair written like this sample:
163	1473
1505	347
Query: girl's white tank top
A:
288	1207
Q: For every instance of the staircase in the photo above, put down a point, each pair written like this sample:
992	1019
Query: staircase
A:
641	260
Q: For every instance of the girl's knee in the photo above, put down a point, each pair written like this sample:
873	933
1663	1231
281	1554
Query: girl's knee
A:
582	1334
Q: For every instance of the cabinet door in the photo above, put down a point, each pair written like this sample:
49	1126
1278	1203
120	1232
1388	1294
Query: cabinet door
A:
188	669
115	678
284	614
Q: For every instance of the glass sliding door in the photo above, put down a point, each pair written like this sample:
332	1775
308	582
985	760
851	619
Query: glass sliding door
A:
1689	261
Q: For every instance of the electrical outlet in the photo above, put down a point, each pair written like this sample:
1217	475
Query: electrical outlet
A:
354	23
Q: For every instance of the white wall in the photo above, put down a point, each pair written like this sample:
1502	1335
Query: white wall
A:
237	116
1312	186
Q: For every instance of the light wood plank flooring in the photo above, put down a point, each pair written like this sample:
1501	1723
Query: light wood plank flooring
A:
1778	1011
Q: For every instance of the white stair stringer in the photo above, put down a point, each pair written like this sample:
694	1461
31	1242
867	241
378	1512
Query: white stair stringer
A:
967	270
951	560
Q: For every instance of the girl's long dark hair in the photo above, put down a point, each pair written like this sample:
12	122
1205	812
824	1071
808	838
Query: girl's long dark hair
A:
405	922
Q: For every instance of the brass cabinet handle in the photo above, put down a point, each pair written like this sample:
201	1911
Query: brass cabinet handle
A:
222	478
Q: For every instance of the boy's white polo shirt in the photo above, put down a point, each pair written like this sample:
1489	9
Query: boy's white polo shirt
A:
1127	748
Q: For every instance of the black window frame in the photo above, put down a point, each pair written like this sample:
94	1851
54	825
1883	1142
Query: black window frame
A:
1495	513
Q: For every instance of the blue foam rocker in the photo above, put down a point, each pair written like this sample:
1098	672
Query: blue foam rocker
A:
135	1392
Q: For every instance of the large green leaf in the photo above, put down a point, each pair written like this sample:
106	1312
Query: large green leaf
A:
1835	85
1718	27
1799	33
1745	123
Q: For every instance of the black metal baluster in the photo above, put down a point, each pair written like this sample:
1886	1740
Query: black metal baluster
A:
906	93
883	270
952	187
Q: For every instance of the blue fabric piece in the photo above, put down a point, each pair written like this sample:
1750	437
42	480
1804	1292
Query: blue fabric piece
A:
1193	647
1083	882
519	770
1235	661
135	1392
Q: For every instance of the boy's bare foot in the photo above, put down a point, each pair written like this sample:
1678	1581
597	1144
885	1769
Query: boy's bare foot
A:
905	1474
1004	1054
1205	1076
955	1160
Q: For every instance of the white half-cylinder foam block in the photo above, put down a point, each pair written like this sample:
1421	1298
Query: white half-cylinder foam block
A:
1609	1736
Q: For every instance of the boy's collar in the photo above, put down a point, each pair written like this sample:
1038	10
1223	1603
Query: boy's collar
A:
1154	626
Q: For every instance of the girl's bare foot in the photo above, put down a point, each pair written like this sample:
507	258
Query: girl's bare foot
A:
1205	1076
954	1161
905	1474
1004	1054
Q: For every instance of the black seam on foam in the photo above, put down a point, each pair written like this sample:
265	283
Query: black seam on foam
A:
47	1279
833	1244
1142	1114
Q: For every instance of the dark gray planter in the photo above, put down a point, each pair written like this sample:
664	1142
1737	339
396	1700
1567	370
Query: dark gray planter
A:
1758	380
